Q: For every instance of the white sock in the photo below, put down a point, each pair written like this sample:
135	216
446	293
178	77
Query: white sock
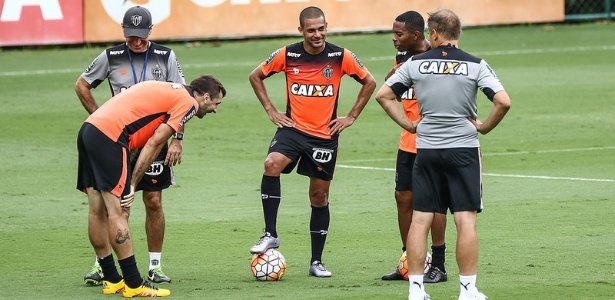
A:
416	284
467	284
155	259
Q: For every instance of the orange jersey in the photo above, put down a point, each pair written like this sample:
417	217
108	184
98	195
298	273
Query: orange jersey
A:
131	117
407	141
313	83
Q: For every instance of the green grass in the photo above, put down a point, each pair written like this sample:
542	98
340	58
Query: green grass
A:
546	232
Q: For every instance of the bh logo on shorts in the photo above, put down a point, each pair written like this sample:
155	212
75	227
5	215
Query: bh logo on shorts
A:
322	155
155	168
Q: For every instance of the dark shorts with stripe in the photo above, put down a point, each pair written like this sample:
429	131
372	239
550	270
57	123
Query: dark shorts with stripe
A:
158	176
315	157
103	164
447	179
403	170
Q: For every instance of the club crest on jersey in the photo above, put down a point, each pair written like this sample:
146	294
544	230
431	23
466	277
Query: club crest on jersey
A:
444	67
327	72
322	155
157	73
312	90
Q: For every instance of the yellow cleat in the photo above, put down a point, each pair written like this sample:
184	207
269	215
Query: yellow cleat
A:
145	290
110	288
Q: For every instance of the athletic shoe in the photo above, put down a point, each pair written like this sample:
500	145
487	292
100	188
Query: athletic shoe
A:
422	295
146	289
265	242
156	275
435	275
318	269
475	296
110	288
94	277
395	275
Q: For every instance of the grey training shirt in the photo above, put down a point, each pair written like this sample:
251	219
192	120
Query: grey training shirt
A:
445	81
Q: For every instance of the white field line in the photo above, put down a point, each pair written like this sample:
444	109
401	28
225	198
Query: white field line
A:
376	58
494	175
501	153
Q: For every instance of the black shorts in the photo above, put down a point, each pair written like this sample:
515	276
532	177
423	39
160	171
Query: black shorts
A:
447	179
103	164
316	157
403	170
158	176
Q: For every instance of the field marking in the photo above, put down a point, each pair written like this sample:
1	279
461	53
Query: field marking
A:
495	175
501	153
376	58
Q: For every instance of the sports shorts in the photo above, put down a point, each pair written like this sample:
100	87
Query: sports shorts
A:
315	157
403	170
103	164
158	176
447	179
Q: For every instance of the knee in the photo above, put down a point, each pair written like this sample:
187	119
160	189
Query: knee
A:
273	167
319	198
153	201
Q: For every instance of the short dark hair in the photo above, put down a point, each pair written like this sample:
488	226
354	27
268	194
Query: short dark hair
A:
208	84
446	23
413	21
310	12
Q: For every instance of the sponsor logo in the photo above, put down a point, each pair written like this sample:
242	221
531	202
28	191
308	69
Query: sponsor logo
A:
356	59
177	86
273	143
91	66
293	54
188	116
444	67
295	71
116	52
334	54
155	168
161	52
322	155
402	52
312	90
409	94
272	56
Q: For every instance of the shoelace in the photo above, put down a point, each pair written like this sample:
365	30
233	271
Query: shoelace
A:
149	285
319	266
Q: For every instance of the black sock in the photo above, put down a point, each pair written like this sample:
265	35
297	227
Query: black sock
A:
319	226
271	194
110	273
131	273
438	257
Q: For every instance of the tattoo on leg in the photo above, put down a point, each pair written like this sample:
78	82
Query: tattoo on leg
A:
121	238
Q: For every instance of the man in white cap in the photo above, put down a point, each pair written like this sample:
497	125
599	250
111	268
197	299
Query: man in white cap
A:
138	59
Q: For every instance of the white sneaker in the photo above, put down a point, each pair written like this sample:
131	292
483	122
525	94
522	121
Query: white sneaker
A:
475	296
265	242
317	269
419	296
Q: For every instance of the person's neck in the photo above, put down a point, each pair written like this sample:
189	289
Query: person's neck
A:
449	43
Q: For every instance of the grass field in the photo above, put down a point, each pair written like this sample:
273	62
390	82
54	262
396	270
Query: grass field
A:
547	231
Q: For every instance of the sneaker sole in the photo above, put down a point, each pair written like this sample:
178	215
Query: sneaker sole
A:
92	282
276	248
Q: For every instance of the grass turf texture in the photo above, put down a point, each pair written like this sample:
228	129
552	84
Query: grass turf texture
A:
546	232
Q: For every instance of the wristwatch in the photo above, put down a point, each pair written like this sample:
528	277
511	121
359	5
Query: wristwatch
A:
178	136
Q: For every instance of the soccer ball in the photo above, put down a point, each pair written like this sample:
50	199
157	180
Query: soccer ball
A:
402	266
268	266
